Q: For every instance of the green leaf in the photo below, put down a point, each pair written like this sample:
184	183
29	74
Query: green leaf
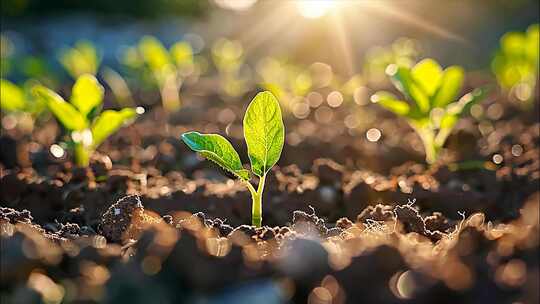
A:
154	53
12	97
451	84
264	132
87	93
109	122
512	44
403	81
427	74
182	54
391	102
218	149
70	118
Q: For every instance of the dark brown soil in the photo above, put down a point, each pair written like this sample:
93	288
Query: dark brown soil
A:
347	220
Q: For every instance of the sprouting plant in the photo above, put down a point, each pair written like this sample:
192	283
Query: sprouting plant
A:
228	57
81	59
284	79
19	104
432	110
81	118
264	134
167	68
516	63
118	86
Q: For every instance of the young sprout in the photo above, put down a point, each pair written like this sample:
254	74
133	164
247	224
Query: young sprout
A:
81	59
516	63
432	109
168	68
228	57
264	134
19	104
285	80
82	119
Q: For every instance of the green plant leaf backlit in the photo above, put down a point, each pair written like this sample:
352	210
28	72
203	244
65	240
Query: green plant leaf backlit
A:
87	93
451	83
264	132
11	96
108	122
218	149
427	74
67	114
391	102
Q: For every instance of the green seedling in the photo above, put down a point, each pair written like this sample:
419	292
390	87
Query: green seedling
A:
432	109
264	134
118	86
229	57
285	80
167	68
81	59
516	63
82	118
19	104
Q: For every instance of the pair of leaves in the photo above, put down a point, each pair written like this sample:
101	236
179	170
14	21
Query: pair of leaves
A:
426	84
264	133
87	94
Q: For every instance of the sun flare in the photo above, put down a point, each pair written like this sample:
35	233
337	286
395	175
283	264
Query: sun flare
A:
315	8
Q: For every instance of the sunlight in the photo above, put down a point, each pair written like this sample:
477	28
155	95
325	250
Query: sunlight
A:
315	8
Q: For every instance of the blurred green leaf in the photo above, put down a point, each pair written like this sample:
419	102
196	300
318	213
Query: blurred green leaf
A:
70	118
182	53
391	102
12	98
404	82
109	122
81	59
154	53
516	62
427	74
218	149
87	93
451	83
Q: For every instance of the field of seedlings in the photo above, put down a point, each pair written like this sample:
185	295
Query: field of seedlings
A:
257	151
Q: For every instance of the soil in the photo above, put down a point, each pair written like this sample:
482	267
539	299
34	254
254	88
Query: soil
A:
346	220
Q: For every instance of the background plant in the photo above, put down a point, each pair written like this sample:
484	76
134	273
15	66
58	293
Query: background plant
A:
264	134
21	107
432	108
284	79
167	68
516	63
228	57
82	118
82	58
